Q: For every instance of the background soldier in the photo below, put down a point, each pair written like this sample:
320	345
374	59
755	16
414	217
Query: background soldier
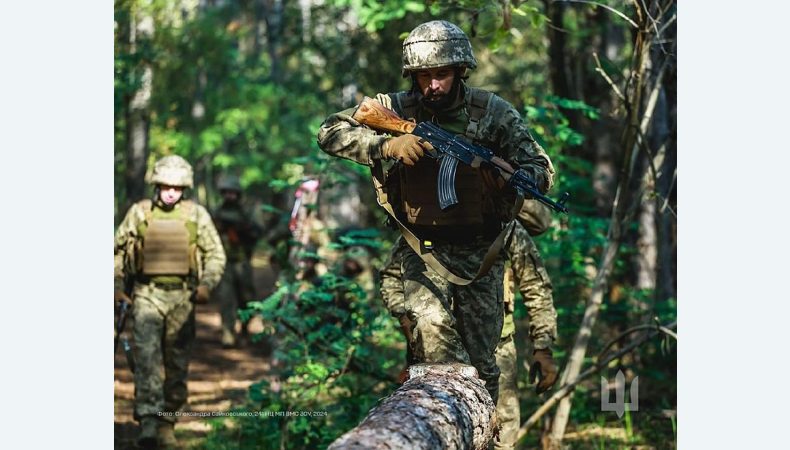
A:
528	274
171	250
452	322
239	233
527	271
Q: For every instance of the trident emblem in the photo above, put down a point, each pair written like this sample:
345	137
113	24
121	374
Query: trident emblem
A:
619	403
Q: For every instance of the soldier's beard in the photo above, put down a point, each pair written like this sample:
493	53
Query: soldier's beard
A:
443	102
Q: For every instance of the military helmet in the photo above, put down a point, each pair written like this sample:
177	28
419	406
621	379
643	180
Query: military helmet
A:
229	183
437	43
172	170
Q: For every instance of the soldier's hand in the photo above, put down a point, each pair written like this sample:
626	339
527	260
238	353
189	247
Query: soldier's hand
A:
545	365
406	148
202	294
121	295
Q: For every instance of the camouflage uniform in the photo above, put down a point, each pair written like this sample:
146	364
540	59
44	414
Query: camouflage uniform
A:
452	323
164	315
529	274
239	233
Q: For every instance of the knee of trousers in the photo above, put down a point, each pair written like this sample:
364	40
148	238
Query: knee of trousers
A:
436	339
435	322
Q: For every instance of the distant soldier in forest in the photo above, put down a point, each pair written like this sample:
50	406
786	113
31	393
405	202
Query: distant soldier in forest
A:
168	249
309	233
529	275
459	320
239	233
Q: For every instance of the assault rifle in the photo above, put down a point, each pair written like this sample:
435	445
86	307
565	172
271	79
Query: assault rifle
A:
451	149
123	311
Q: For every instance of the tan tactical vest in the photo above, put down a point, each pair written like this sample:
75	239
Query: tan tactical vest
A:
418	184
168	241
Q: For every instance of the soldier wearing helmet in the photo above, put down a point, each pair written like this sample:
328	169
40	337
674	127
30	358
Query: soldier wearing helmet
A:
452	322
169	249
527	273
239	233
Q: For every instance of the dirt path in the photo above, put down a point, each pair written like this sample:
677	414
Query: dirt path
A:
218	377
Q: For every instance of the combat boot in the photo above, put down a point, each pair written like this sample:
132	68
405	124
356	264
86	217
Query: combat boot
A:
166	435
148	432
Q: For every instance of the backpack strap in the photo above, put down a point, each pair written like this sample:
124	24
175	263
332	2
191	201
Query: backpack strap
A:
477	106
189	212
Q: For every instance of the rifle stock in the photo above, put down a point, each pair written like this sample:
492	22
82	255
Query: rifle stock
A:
373	114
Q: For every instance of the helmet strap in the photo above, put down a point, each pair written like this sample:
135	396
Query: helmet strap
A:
155	198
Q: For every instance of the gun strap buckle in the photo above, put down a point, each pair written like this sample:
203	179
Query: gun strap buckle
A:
425	246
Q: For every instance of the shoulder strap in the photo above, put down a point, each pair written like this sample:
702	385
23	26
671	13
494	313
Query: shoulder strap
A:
189	210
477	106
407	104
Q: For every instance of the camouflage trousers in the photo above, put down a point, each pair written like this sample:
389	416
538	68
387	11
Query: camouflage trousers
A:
507	409
235	289
528	275
455	323
164	331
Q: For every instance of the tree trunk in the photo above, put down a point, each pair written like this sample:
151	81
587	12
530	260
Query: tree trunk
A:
656	244
138	115
666	285
602	133
558	61
273	16
306	8
441	406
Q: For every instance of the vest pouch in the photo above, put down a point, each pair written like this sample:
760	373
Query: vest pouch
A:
420	202
166	248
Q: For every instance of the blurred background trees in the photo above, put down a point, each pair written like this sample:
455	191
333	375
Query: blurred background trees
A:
241	87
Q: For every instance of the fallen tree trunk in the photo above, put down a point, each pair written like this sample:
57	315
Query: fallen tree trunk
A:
441	406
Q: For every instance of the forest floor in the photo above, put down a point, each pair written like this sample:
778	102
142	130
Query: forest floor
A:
218	377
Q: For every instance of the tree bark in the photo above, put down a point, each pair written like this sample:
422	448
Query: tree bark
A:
138	113
441	406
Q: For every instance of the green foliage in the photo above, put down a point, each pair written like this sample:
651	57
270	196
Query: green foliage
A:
337	348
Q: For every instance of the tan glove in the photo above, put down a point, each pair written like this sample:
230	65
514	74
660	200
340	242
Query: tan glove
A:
406	148
202	294
545	364
121	295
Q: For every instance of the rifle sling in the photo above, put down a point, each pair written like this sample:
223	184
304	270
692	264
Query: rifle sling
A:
426	255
